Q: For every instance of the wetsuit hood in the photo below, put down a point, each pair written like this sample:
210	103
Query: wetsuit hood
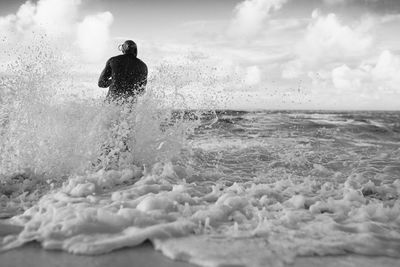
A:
129	47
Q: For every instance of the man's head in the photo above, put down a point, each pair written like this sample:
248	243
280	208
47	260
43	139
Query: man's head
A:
128	47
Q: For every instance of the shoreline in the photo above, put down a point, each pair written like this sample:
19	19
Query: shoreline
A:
145	255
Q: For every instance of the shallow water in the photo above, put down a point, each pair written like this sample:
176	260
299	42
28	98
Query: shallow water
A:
214	188
244	188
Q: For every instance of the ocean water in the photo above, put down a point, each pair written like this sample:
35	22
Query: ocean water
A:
247	188
210	187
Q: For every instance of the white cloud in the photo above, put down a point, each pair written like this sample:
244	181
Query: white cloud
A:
345	66
341	2
250	16
292	69
382	75
253	75
25	16
387	71
334	2
58	19
56	16
388	18
344	78
328	41
285	24
93	34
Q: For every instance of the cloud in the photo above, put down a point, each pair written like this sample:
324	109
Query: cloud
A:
327	41
58	19
22	19
93	34
334	2
252	76
347	65
56	16
388	18
292	69
287	24
387	71
380	77
250	15
346	79
342	2
15	23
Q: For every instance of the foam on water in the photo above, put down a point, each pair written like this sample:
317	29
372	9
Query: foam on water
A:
48	135
248	189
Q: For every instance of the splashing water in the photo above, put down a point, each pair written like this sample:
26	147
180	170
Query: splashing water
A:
216	189
47	136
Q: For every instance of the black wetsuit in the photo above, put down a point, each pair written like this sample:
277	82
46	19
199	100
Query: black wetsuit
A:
126	75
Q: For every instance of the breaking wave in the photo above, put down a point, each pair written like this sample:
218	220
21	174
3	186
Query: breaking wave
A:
214	188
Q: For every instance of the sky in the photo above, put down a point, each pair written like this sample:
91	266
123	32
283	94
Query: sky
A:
260	54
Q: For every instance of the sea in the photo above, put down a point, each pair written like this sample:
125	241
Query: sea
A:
212	187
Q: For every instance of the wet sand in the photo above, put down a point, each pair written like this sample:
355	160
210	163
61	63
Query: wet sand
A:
32	255
145	256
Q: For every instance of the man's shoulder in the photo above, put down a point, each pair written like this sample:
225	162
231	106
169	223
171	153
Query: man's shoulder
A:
115	58
122	58
141	62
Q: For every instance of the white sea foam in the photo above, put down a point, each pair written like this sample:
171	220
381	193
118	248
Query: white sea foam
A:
95	213
100	177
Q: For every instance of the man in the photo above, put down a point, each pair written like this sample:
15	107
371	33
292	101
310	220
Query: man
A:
125	75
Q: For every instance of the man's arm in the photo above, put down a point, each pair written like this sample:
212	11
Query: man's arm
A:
105	76
143	83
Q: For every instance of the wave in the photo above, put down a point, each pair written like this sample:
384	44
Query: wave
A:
209	187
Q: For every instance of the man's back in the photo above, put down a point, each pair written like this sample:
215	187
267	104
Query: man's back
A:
126	75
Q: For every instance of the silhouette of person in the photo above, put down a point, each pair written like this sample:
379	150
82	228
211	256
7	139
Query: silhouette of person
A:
125	75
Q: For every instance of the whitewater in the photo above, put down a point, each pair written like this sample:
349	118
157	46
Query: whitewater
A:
206	186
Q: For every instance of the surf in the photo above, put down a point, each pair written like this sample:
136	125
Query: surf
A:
208	187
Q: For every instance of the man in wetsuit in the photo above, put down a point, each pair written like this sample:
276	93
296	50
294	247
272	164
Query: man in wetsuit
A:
125	75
